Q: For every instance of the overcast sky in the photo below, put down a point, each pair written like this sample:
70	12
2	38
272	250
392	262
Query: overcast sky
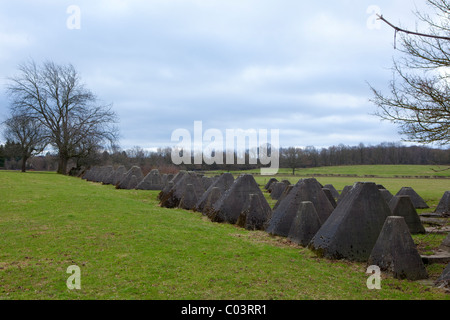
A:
302	67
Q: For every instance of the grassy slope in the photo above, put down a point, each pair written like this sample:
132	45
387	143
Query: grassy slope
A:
129	248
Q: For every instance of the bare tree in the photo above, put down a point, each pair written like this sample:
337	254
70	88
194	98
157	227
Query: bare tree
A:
292	158
419	99
70	113
28	134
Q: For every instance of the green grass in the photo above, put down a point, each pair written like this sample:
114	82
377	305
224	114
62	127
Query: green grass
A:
381	171
128	247
391	171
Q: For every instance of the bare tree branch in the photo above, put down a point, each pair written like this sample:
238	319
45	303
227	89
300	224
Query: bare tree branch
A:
419	99
397	29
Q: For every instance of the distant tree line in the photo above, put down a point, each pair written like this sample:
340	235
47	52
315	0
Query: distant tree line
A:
292	158
384	153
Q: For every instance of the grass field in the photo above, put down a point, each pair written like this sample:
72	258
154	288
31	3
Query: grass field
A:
391	171
127	247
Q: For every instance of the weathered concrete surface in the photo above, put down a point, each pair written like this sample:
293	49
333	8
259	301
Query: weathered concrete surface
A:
134	171
283	195
119	174
165	178
445	245
277	190
438	257
344	192
353	228
304	190
132	183
189	198
213	196
164	192
269	183
109	179
395	251
434	221
402	206
387	195
90	174
444	279
330	197
444	204
207	182
229	207
417	200
333	190
253	215
306	224
273	185
173	197
107	175
438	229
152	181
223	182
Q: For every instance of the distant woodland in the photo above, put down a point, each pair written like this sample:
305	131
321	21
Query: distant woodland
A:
293	158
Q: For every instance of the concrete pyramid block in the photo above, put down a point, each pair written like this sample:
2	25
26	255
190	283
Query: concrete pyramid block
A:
189	198
134	171
402	206
101	173
444	279
272	186
344	192
207	182
229	207
306	224
152	181
386	195
284	194
417	200
166	190
213	196
223	182
444	204
173	197
253	215
330	197
277	190
174	181
105	175
132	183
445	245
269	183
165	178
109	176
304	190
119	174
85	174
333	190
91	173
395	251
353	228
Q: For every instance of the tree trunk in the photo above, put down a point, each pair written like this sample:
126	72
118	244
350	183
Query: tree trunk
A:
24	163
62	165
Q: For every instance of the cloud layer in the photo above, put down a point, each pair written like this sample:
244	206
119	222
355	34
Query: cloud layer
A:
299	67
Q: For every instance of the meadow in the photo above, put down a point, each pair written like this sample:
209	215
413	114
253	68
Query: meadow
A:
127	247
